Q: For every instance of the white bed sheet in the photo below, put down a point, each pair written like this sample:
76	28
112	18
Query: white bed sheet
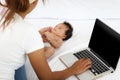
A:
81	35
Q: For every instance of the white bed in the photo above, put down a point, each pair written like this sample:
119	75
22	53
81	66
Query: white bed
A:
81	35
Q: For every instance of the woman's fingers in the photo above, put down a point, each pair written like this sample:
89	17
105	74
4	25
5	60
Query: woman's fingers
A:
81	65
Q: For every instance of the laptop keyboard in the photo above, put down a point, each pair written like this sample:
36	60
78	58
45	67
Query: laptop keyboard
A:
97	66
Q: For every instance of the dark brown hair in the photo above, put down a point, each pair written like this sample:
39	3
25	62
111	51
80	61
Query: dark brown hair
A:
14	6
68	33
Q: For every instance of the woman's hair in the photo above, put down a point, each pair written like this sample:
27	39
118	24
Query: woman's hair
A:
68	33
14	6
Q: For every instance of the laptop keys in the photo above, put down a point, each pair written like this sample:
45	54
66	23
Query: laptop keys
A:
97	66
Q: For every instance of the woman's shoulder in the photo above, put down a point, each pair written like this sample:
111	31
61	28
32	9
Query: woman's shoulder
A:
23	25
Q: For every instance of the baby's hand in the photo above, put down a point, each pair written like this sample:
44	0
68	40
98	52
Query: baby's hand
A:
50	29
49	35
44	29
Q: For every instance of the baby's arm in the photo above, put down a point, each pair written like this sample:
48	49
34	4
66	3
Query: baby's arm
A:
42	32
49	51
54	40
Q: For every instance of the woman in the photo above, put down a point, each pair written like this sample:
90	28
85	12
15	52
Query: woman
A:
18	39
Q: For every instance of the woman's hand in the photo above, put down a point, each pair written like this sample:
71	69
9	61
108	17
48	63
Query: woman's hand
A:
80	66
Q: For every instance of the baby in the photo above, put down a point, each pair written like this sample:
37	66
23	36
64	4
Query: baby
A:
54	37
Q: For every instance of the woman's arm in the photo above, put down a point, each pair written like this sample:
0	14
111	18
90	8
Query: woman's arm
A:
40	65
78	67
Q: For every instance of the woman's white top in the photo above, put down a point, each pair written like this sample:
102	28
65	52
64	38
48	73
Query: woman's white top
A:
16	41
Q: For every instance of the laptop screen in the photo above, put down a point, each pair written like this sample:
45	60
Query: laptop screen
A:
105	42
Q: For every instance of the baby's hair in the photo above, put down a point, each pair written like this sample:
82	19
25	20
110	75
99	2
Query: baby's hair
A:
68	33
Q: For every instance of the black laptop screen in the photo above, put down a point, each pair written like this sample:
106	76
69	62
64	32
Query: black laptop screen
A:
105	42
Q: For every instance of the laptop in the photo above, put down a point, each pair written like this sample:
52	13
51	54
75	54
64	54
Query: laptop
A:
103	49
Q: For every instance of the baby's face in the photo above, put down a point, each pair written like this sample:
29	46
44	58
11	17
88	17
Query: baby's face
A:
60	30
